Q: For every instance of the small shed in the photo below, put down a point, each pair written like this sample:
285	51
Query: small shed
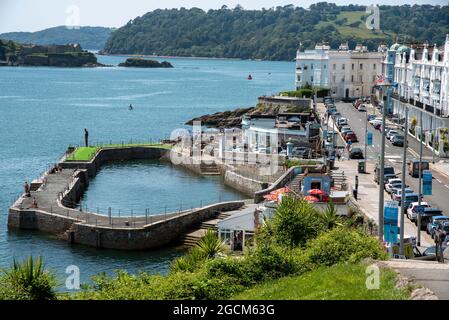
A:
238	230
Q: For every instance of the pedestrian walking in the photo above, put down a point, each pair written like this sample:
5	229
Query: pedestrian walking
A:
86	137
339	155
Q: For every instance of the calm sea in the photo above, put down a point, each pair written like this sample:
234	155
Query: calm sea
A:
43	110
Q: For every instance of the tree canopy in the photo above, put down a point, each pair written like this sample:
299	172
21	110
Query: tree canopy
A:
275	33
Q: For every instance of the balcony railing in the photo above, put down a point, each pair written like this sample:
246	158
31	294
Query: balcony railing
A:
429	108
419	104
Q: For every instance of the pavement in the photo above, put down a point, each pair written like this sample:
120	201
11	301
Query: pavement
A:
430	274
368	192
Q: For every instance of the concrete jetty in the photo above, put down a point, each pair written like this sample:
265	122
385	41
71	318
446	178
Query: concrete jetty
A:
56	193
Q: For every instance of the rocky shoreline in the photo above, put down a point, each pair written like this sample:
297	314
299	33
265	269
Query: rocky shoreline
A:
233	119
145	63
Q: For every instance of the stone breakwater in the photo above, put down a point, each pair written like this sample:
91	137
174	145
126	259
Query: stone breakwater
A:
57	192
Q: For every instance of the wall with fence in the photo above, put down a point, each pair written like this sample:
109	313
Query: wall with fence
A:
157	234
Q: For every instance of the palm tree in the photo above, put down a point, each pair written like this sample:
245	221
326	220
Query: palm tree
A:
330	217
207	248
210	245
28	280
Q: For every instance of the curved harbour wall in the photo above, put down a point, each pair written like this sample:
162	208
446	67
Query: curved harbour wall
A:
125	233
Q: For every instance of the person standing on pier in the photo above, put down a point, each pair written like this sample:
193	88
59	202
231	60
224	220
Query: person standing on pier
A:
26	188
86	137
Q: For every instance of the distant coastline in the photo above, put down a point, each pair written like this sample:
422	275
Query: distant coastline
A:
183	57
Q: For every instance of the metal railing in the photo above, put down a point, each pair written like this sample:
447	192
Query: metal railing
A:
110	216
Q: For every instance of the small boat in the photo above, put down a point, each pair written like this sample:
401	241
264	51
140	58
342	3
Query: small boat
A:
250	77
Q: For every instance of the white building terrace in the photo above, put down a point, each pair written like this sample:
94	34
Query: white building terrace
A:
422	84
348	73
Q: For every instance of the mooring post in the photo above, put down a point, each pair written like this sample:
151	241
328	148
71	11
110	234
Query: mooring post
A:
110	215
146	216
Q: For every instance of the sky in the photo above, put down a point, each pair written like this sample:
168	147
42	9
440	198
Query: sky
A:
32	15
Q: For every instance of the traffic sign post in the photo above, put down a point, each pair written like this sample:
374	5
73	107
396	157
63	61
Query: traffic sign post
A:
427	183
370	138
390	222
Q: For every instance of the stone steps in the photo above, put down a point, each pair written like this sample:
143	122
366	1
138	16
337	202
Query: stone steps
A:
209	169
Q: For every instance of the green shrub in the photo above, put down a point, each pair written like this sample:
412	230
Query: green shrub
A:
330	218
189	262
343	245
270	261
27	280
294	223
207	248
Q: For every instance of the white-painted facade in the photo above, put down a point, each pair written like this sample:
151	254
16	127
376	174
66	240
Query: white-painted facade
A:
312	67
422	77
348	73
353	73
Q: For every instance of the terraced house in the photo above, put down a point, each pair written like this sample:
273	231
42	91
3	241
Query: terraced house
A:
348	73
421	83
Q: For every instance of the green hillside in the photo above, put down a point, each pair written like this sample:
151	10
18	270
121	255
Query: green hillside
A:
93	38
275	33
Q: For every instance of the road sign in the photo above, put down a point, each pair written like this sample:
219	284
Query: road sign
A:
369	138
427	182
391	228
391	213
391	233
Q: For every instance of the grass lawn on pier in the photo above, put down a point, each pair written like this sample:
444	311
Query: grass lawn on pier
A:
87	153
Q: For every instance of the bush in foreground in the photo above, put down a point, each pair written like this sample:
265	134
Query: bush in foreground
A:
27	280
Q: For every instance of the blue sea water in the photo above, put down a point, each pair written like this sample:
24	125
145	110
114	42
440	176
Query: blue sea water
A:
43	110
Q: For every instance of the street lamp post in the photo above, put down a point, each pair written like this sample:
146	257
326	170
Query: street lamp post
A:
404	163
366	138
381	173
418	229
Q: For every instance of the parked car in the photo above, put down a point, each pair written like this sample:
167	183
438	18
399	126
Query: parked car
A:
398	140
376	119
413	167
409	198
351	136
371	117
393	183
412	209
391	133
342	122
362	108
330	133
427	216
432	225
302	152
345	129
356	153
388	173
336	115
396	194
345	133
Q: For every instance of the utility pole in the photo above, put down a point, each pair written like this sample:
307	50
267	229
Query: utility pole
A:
433	135
404	163
381	173
366	139
418	228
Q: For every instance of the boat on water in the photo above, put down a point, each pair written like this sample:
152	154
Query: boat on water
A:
250	77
